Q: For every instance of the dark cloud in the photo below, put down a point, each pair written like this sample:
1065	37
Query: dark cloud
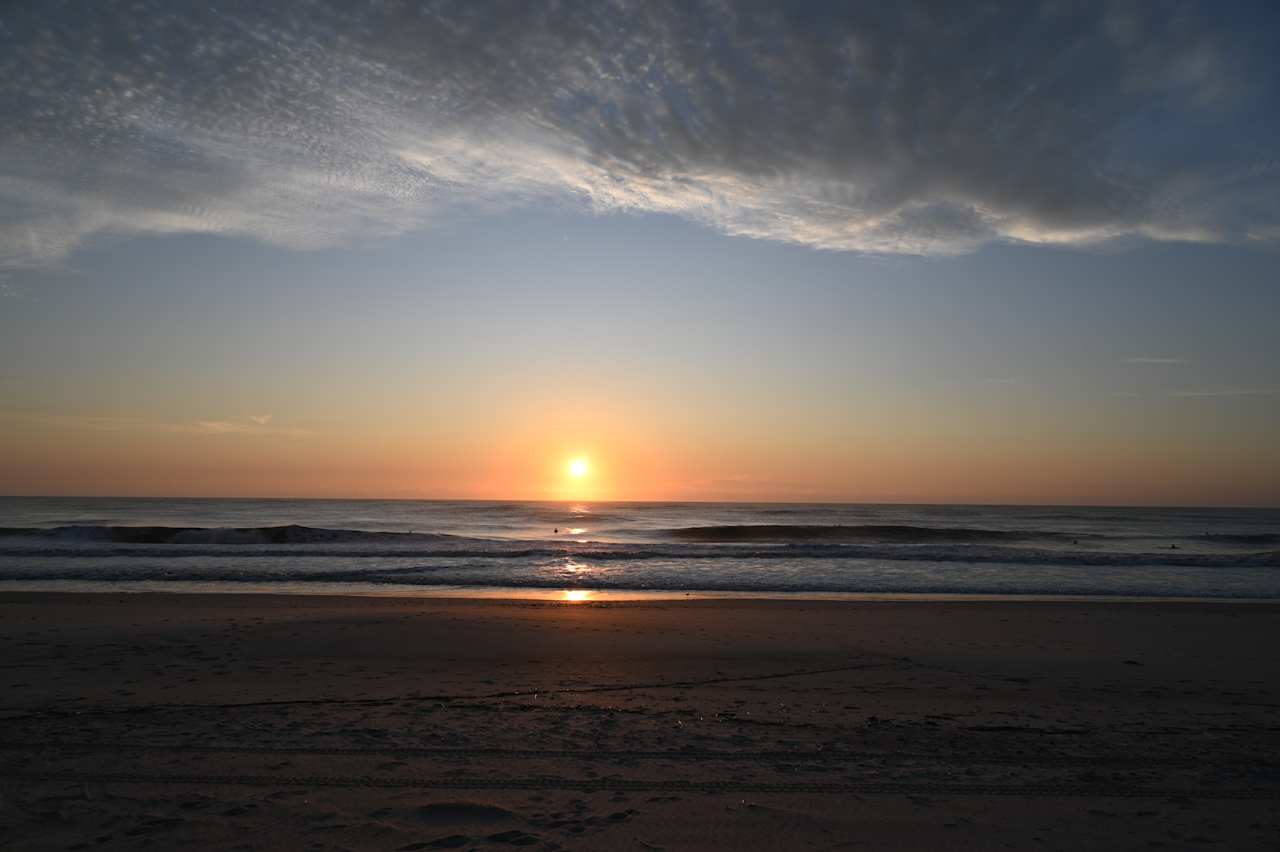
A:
903	127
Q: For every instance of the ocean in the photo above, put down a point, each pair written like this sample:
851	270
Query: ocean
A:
635	549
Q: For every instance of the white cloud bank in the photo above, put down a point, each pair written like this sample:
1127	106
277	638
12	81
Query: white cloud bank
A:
907	127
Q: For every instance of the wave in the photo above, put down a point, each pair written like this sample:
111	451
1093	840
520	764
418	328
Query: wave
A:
508	552
287	534
1245	539
902	533
738	534
487	576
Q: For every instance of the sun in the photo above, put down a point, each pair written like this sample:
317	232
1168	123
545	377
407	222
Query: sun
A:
579	467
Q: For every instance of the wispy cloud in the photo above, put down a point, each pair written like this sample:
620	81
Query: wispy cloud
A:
1228	392
1149	360
898	127
223	427
260	419
116	423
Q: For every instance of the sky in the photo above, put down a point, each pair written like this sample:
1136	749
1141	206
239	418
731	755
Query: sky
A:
913	252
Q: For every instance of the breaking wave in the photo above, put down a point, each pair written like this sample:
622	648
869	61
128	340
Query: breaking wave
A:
884	543
901	533
287	534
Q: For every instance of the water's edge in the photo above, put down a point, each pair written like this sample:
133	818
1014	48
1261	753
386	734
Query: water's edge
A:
524	594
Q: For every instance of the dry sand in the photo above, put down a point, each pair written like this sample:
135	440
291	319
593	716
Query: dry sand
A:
276	722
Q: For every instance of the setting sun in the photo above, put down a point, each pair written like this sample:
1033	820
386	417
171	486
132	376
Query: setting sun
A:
578	468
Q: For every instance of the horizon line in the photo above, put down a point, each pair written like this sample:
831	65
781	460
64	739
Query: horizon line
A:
1272	506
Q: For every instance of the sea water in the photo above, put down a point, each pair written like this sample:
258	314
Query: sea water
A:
372	545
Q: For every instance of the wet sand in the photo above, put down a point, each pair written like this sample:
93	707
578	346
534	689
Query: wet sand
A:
311	722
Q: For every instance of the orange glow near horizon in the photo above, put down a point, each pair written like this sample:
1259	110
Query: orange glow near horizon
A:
649	446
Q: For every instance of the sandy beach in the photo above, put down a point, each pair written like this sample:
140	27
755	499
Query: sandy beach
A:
236	721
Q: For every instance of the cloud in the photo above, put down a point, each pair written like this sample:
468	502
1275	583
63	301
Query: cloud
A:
260	419
908	127
1228	392
116	423
1155	361
210	427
